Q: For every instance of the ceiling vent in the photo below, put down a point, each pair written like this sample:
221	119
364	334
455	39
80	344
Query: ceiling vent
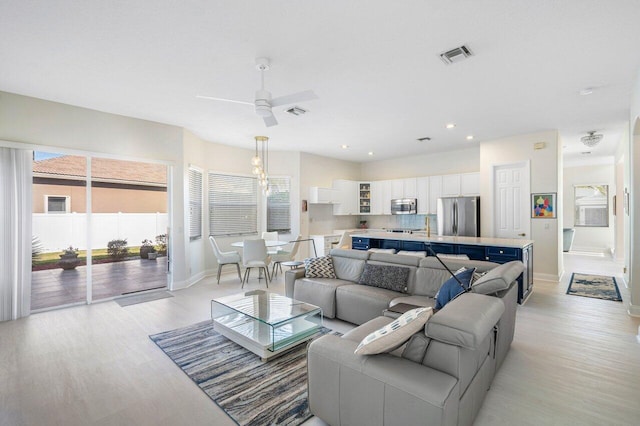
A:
456	55
425	139
296	110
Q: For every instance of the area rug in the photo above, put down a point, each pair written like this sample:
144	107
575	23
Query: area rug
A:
142	298
596	286
250	391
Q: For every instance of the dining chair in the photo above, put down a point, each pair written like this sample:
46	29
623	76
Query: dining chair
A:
345	240
271	236
284	256
225	258
254	255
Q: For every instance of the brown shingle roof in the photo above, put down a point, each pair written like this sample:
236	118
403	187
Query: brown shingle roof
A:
103	169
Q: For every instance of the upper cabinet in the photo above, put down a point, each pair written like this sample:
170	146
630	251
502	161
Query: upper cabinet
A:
422	194
403	188
347	195
377	197
470	184
435	192
450	186
319	195
364	197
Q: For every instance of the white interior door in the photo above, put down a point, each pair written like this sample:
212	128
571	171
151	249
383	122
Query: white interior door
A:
511	198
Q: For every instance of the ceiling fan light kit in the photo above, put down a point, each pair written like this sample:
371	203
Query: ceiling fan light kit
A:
260	164
263	102
592	139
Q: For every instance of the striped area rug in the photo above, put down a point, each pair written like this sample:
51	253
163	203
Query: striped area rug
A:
595	286
249	391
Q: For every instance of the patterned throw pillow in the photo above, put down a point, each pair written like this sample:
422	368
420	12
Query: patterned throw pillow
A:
394	334
451	288
319	267
385	276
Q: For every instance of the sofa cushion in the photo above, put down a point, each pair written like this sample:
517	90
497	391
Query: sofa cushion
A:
453	287
499	278
416	348
349	264
319	267
358	304
320	292
385	276
395	333
431	274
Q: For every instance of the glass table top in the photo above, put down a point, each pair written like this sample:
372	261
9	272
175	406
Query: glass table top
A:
269	308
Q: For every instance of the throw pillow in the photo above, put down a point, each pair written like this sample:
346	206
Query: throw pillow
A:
319	267
385	276
451	288
394	334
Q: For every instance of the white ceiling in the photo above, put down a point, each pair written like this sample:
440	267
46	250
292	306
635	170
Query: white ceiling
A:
373	64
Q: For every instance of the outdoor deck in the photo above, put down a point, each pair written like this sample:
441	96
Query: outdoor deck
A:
56	287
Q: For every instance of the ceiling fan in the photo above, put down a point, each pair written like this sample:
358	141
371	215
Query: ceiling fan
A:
263	102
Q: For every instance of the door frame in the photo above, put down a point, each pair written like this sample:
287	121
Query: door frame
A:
526	164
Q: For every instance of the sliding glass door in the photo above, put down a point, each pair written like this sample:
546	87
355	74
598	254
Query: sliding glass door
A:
98	224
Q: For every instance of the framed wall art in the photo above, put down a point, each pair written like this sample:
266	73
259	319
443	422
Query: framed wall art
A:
543	205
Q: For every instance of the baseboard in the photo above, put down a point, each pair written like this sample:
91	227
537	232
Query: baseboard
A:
634	311
179	285
607	251
546	277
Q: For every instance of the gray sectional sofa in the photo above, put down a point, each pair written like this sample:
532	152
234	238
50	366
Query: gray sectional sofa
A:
441	376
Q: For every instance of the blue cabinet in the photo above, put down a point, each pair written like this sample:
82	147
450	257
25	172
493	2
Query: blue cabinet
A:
358	243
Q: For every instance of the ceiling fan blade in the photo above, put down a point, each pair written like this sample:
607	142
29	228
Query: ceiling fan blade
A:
211	98
307	95
270	120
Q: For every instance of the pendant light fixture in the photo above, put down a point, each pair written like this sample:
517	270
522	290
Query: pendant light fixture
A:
260	164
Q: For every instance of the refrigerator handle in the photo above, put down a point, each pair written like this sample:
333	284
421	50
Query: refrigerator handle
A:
455	217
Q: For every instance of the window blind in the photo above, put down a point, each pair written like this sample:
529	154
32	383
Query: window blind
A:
195	204
233	205
279	205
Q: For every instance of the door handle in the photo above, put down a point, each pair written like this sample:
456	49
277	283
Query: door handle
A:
522	235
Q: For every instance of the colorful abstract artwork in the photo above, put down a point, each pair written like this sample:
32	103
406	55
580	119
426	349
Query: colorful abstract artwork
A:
543	206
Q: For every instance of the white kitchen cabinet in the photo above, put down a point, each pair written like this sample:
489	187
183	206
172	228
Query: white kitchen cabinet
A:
422	194
386	196
324	243
435	192
450	185
470	184
347	197
397	189
377	197
364	197
319	195
410	189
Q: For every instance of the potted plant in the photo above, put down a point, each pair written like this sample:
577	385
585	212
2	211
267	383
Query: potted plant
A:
69	258
146	249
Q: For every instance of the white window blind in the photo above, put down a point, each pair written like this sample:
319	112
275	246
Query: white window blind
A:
279	205
195	204
233	205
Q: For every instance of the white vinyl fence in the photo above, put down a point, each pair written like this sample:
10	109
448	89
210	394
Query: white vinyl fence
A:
60	230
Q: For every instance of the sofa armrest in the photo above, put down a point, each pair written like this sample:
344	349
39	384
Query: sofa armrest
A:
466	320
290	278
345	388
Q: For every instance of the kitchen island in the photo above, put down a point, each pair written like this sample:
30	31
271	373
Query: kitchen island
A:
498	250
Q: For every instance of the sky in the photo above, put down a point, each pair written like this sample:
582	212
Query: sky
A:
39	155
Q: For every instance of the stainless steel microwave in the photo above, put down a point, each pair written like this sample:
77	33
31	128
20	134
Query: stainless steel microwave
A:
404	206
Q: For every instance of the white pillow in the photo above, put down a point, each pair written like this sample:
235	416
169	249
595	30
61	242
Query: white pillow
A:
394	334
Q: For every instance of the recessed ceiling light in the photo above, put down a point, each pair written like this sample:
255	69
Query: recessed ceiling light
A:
586	91
585	152
470	137
370	152
450	126
345	146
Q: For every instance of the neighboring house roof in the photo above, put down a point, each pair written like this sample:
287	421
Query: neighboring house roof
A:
102	169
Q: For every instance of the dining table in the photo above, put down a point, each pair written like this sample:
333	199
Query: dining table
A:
268	243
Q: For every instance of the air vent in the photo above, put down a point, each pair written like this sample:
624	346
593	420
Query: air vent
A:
296	110
425	139
456	55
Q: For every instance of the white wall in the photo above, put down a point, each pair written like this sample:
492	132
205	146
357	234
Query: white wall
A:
634	230
588	238
545	177
439	163
32	123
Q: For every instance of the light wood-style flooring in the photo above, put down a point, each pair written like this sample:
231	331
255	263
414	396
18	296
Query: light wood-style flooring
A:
574	361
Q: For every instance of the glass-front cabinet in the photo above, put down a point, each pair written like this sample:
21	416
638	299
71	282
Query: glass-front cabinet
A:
364	197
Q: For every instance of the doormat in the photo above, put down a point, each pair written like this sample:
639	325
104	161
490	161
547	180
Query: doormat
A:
595	286
250	391
142	298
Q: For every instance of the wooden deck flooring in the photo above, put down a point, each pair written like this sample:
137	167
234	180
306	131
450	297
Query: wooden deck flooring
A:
57	287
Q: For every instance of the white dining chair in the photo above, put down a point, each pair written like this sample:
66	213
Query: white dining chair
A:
345	240
254	255
271	236
225	258
284	256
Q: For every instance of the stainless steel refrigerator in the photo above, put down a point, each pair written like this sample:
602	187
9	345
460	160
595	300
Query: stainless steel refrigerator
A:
459	216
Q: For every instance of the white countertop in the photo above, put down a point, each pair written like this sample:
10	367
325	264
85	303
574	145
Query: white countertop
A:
422	237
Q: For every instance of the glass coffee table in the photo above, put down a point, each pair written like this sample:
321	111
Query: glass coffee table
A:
265	323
